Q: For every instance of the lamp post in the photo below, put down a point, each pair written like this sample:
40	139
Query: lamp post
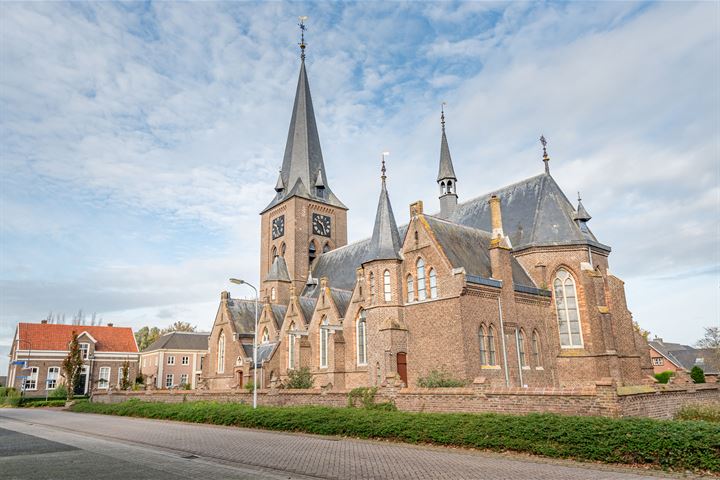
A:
243	282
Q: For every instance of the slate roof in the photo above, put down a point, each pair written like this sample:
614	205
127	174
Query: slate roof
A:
307	305
303	159
685	356
341	298
180	341
242	313
264	351
278	314
446	169
385	243
534	211
278	270
53	336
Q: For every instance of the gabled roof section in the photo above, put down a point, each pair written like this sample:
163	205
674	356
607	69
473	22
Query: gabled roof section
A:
278	270
180	341
467	247
303	163
307	305
341	299
279	312
534	211
52	336
385	243
242	314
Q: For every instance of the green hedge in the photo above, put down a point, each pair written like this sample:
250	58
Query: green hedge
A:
668	444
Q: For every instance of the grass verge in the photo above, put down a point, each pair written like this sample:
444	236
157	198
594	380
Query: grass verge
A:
687	445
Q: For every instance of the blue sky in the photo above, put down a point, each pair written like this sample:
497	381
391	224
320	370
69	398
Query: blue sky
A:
140	140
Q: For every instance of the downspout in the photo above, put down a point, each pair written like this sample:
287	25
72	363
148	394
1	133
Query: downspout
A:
504	349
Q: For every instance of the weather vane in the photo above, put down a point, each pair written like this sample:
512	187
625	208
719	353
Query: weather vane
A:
382	169
442	114
303	27
543	142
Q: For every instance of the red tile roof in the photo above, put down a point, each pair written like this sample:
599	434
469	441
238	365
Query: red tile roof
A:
49	336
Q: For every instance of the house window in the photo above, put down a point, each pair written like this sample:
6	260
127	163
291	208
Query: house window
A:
567	310
491	346
361	339
31	380
324	337
421	279
221	353
658	361
386	286
52	377
520	339
536	348
410	289
184	379
483	348
433	284
104	378
372	286
185	360
291	347
171	360
169	380
84	349
265	336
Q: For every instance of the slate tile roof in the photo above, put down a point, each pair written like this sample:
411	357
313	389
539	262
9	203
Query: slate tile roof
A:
50	336
180	341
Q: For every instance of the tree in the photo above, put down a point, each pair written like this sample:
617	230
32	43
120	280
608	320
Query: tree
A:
146	336
697	375
711	339
179	327
125	380
644	333
72	366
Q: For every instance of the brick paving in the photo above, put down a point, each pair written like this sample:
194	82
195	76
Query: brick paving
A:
309	455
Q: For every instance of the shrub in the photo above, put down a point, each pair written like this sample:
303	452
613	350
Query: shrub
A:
437	379
249	386
140	379
697	374
44	403
184	386
5	391
664	377
708	413
13	398
59	392
301	378
662	443
366	396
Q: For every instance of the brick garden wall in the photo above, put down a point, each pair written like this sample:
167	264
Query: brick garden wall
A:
604	399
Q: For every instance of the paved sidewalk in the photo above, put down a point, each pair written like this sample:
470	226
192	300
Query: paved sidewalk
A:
304	455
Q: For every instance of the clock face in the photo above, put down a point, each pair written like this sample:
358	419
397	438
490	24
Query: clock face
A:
278	227
321	225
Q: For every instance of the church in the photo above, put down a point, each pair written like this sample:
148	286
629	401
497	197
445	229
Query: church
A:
508	289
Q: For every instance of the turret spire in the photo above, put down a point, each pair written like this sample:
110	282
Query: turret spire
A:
546	158
582	216
446	173
385	243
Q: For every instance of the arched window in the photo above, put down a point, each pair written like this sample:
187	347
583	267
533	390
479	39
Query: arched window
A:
324	337
449	186
282	249
326	247
361	333
291	347
483	349
221	353
312	251
410	289
433	283
272	294
372	286
536	348
567	309
274	252
520	338
265	336
421	279
491	346
386	286
442	188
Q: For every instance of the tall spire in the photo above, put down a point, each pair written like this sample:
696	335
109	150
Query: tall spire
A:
546	158
446	179
385	243
303	167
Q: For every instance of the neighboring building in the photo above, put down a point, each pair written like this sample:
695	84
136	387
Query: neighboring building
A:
174	359
38	350
510	288
3	380
677	357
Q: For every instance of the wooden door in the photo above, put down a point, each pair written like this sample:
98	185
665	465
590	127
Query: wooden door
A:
402	367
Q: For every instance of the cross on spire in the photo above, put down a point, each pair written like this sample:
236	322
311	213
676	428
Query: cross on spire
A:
546	158
442	115
382	168
302	44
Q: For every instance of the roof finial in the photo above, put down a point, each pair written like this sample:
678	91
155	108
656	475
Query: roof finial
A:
382	169
303	27
579	199
546	158
442	115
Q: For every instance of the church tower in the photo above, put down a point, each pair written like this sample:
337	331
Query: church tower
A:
446	175
305	219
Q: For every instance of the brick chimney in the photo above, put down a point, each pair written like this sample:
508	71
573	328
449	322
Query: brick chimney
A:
44	322
498	236
109	324
416	208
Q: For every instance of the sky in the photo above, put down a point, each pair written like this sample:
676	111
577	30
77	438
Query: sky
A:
139	141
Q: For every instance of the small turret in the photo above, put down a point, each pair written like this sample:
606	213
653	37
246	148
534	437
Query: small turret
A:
385	243
446	175
582	216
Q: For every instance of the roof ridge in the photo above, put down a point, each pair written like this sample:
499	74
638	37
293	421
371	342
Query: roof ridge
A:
460	225
526	180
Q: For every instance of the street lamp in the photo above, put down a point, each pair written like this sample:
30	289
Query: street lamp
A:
243	282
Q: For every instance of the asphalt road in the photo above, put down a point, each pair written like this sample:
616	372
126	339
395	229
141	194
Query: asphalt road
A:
55	444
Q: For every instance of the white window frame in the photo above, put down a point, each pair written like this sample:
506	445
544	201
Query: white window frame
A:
361	335
324	340
221	353
658	361
433	283
272	294
169	380
171	360
387	289
566	280
184	379
103	382
185	360
30	383
52	376
420	270
84	352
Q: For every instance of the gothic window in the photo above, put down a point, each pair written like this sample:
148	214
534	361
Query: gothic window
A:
324	337
567	309
386	286
520	339
361	339
221	353
421	279
536	348
449	186
326	247
291	347
265	336
272	294
491	346
410	289
433	283
312	251
274	252
372	286
442	188
483	349
282	249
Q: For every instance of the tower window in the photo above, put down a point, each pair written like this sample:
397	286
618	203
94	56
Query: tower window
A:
326	247
282	249
372	286
272	294
387	291
312	251
274	252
